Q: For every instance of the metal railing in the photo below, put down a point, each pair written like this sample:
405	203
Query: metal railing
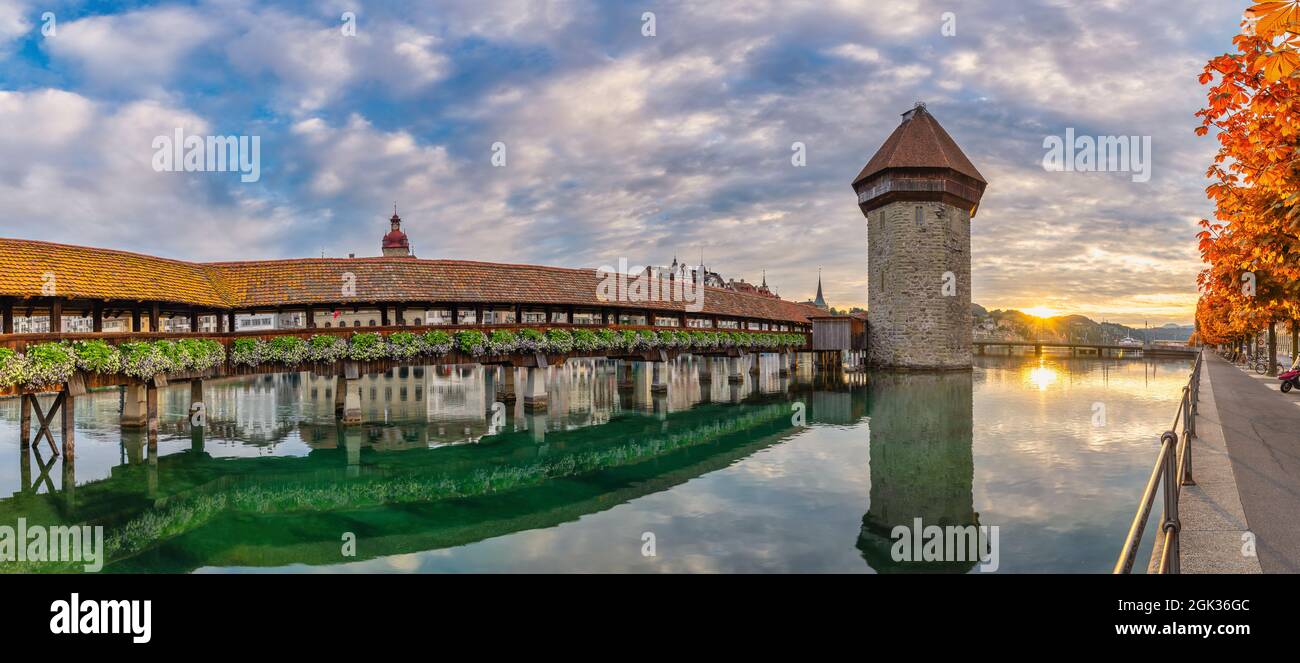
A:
1172	471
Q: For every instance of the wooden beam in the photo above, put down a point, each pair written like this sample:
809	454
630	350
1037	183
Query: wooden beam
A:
8	316
24	421
97	317
230	321
311	318
154	319
135	319
151	416
56	316
44	419
383	315
194	322
69	427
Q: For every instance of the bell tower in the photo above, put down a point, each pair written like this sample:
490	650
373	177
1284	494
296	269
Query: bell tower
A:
395	243
919	193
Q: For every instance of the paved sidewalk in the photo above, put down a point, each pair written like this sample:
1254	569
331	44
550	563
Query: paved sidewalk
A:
1211	513
1259	428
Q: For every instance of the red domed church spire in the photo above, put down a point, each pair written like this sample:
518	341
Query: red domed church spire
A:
395	243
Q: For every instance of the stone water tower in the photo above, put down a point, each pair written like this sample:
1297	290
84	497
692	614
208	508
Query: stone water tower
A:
919	194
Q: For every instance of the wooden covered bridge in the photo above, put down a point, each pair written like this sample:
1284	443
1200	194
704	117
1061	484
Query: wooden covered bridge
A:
120	297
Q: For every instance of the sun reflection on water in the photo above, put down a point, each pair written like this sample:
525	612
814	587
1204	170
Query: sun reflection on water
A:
1042	376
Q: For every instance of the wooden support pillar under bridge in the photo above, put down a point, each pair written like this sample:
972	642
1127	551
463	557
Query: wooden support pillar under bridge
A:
828	360
64	405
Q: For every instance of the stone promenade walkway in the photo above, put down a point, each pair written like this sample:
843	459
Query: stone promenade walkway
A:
1246	464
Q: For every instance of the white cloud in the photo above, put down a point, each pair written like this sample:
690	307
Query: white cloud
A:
13	23
86	178
140	50
39	120
314	63
856	52
524	21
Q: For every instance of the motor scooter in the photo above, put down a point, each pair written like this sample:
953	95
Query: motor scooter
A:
1290	380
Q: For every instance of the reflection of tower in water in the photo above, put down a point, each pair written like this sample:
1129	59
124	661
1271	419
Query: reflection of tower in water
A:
921	462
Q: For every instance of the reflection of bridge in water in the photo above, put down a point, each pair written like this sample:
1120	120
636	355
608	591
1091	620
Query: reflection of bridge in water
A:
442	469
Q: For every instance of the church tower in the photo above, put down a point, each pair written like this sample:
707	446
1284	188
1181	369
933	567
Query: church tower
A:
820	302
395	244
919	194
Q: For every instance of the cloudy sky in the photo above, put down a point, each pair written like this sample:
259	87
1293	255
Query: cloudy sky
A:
617	144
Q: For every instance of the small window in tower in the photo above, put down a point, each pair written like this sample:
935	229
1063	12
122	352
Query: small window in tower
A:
920	216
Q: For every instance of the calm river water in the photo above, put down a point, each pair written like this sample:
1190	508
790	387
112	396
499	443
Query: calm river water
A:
801	473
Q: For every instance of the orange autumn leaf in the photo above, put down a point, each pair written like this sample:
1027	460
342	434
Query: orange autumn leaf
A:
1280	64
1275	18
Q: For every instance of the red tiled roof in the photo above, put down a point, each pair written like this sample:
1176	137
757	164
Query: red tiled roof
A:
919	142
78	271
83	272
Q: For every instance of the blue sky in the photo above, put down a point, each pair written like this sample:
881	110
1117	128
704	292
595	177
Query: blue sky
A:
617	144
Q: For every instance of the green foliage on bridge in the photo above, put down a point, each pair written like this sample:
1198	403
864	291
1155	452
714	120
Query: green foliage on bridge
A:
49	364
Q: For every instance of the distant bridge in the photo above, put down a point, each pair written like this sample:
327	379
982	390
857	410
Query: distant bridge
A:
1098	348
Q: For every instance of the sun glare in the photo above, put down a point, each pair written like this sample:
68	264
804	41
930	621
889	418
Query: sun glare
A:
1041	312
1042	377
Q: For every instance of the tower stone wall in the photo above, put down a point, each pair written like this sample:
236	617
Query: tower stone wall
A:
918	280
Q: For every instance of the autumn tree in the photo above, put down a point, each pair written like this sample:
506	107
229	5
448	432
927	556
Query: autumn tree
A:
1252	246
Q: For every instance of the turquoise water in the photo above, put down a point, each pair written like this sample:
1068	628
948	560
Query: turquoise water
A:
800	473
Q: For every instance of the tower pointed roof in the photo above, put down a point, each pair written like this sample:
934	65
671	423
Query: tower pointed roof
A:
919	142
919	162
820	302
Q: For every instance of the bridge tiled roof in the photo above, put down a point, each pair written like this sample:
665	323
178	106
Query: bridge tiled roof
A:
78	271
91	273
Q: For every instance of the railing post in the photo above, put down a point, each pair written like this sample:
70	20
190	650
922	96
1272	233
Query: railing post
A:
1193	394
1171	522
1188	433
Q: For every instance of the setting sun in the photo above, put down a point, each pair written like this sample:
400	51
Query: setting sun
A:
1041	312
